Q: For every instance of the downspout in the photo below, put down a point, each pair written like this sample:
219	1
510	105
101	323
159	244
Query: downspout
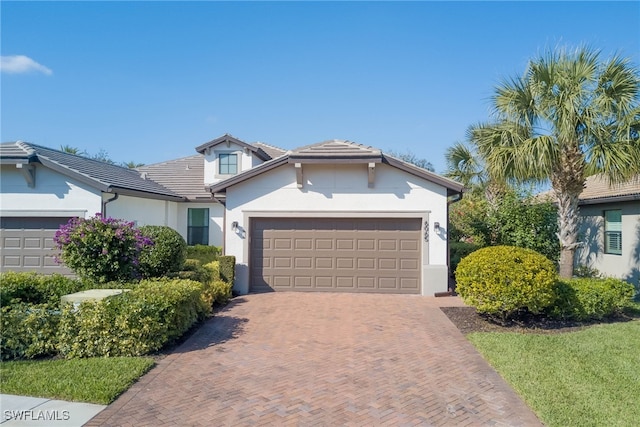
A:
456	198
104	204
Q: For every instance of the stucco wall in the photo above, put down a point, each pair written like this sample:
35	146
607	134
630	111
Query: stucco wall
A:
52	192
625	266
246	161
340	190
142	211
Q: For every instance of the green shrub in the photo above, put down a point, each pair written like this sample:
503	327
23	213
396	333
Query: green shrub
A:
504	280
590	298
101	249
167	254
28	331
35	288
216	290
459	250
193	270
203	253
586	271
227	268
134	323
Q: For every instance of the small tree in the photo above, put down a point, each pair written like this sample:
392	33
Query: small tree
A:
167	253
101	250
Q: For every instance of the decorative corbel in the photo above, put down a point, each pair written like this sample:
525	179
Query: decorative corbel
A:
298	167
29	173
372	174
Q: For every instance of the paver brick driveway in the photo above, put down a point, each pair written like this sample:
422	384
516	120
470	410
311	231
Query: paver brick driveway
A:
322	359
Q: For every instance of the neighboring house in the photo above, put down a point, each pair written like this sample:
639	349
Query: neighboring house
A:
610	228
335	216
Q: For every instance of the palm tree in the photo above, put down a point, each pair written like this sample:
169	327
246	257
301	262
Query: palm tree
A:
72	150
131	164
570	116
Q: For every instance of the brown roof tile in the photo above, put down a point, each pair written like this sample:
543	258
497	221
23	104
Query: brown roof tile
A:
183	176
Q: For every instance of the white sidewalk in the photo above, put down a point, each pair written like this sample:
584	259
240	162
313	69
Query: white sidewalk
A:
26	411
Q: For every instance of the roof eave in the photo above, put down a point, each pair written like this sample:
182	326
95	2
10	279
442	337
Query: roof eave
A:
610	199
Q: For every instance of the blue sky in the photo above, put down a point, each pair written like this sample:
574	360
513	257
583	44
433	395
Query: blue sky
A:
149	81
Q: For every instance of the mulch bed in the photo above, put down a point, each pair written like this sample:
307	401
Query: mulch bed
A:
468	320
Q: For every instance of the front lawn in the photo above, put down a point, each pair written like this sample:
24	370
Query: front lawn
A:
586	378
94	380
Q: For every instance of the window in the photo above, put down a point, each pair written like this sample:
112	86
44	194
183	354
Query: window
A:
198	226
613	232
227	164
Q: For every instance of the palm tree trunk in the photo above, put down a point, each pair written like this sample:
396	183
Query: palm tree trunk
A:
568	231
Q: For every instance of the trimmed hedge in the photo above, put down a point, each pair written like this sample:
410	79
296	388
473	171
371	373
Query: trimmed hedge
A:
203	253
35	288
505	280
590	298
28	331
134	323
166	254
227	268
217	291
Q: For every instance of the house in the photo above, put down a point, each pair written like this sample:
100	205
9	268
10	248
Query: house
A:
334	216
610	228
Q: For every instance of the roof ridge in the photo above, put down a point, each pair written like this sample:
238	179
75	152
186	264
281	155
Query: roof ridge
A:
164	162
270	146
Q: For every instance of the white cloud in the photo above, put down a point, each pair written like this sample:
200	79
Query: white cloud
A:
16	64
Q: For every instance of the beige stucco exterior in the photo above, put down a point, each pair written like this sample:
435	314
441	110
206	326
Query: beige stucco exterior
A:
340	190
626	265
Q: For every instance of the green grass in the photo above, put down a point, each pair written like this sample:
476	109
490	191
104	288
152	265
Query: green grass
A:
94	380
585	378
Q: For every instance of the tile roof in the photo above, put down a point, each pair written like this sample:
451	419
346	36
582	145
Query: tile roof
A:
183	176
336	149
272	151
100	175
598	190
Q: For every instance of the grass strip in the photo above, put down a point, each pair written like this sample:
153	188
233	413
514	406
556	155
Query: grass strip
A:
585	378
94	380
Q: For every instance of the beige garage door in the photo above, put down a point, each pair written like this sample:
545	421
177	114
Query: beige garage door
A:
335	255
27	244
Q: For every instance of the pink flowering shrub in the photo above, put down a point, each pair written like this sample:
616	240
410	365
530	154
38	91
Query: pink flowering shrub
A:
101	249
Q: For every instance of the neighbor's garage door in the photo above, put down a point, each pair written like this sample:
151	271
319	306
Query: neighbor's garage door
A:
335	255
27	244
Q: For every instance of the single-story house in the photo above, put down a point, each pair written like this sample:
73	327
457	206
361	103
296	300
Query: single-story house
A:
334	216
610	228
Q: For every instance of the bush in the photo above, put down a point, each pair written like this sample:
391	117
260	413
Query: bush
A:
590	298
28	331
35	288
203	253
134	323
216	290
193	270
504	280
228	268
101	249
167	254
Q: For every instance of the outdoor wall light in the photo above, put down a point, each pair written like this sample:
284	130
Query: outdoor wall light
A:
436	226
234	226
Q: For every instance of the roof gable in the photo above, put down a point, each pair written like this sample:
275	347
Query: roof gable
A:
338	151
228	140
335	151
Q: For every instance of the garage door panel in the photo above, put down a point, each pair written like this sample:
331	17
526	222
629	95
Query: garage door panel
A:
27	244
335	254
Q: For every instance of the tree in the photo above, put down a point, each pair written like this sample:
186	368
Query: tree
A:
410	157
570	116
72	150
131	165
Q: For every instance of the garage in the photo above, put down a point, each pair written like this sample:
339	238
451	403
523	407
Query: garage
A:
375	255
27	244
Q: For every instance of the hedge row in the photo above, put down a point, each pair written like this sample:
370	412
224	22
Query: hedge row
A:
506	281
35	288
154	313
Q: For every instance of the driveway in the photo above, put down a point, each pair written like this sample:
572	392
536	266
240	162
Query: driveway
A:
325	360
